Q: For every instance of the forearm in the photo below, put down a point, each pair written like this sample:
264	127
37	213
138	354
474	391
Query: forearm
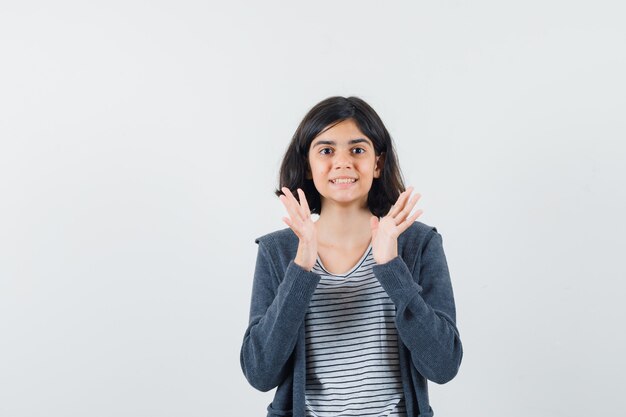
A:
272	334
429	333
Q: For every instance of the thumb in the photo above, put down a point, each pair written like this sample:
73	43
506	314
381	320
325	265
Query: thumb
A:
374	225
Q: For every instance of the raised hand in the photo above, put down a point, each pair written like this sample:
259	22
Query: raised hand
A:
385	231
300	222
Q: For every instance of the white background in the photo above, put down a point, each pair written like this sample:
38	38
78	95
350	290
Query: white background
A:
139	149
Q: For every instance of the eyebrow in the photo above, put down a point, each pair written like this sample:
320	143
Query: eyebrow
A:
332	142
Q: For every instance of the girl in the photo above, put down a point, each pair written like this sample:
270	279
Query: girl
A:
350	314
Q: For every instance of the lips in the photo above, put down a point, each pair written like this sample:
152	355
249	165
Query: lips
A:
343	180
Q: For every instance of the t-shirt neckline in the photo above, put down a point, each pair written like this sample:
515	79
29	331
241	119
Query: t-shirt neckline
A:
351	270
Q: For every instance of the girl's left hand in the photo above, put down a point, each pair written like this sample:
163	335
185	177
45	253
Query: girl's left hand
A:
385	231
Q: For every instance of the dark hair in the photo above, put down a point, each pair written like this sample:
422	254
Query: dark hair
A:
293	171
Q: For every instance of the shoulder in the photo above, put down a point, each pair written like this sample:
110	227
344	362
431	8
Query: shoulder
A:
278	237
280	245
413	241
417	235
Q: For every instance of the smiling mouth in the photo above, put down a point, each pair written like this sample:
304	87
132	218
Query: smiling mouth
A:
343	180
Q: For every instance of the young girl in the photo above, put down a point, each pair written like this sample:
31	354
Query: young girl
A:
350	314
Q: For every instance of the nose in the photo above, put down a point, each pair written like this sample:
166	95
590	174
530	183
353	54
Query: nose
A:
342	160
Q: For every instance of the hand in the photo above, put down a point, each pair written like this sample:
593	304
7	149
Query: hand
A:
386	231
300	222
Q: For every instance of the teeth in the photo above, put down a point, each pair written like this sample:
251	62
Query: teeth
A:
344	180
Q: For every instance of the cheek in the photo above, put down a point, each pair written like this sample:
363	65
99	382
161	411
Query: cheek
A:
320	178
317	173
318	169
368	167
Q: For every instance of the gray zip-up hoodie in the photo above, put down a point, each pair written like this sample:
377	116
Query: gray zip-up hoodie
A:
418	283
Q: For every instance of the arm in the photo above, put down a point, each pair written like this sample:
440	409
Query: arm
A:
277	311
425	314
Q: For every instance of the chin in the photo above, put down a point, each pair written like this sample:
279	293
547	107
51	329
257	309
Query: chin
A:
346	200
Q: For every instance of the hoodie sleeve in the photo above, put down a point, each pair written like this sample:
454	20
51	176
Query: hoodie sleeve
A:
425	312
277	310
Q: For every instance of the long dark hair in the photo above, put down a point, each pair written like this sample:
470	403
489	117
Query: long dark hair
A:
293	171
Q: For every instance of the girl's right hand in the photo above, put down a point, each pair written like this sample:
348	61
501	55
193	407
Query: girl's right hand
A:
300	222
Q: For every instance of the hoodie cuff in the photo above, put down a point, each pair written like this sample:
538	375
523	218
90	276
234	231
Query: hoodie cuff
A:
396	278
301	283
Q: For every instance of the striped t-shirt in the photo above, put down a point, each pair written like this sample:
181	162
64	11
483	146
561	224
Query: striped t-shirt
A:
352	346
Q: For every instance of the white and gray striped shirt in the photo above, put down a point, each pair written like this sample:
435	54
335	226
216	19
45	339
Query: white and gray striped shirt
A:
352	346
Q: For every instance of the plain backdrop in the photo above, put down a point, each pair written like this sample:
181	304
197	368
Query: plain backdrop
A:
139	149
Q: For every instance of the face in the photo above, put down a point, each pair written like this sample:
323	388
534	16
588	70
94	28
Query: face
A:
343	164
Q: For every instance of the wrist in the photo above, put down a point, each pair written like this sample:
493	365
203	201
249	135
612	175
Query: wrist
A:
386	256
306	256
385	259
302	264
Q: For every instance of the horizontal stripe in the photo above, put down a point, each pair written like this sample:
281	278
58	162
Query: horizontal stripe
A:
331	340
360	295
325	372
348	330
350	347
362	410
354	388
344	364
367	299
389	324
353	376
352	314
341	358
365	304
364	286
346	406
369	376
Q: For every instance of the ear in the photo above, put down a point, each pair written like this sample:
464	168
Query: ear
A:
380	163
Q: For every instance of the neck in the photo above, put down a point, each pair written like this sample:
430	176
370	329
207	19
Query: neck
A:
348	226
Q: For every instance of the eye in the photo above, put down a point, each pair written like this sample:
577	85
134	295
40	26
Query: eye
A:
325	151
360	150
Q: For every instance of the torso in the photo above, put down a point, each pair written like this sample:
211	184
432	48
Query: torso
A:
351	342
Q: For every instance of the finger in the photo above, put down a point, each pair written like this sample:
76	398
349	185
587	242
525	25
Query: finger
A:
303	202
400	212
295	202
414	216
374	227
409	221
373	223
289	206
288	194
408	207
289	223
396	208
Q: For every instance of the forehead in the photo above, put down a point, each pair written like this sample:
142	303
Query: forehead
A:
344	132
